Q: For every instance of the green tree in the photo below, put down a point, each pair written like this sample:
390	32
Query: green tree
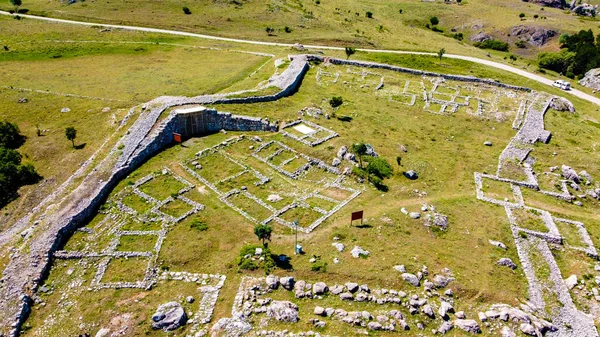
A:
349	52
71	134
522	15
369	15
187	11
17	4
434	20
263	233
379	168
441	53
336	101
399	161
359	149
10	136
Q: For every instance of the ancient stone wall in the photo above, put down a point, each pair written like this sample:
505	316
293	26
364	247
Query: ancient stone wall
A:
412	71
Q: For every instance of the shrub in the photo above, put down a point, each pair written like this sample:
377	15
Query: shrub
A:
520	44
437	30
379	167
434	20
287	29
336	101
492	44
558	62
319	267
458	36
369	15
198	225
400	11
522	15
187	11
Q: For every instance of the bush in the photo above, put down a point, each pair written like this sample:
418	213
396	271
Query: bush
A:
10	136
379	167
187	11
522	15
434	20
369	15
287	29
437	30
492	44
319	267
520	44
458	36
198	225
336	101
558	62
253	262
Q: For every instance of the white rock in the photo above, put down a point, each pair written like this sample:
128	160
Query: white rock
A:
571	281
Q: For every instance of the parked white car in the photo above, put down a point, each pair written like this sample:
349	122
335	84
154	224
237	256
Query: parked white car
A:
564	85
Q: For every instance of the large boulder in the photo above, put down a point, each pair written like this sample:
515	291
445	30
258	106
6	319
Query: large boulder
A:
481	37
284	311
570	174
287	282
506	262
468	325
319	288
411	278
562	104
591	79
169	316
437	220
535	35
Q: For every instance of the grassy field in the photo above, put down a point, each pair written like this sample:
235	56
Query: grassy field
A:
327	22
99	76
445	150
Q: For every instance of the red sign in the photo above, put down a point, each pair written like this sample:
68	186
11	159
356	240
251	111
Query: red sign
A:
177	137
357	216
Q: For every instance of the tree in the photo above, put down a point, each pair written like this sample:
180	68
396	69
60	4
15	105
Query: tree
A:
369	15
187	11
10	136
379	168
269	30
359	149
71	134
17	4
349	52
263	232
434	20
399	161
441	53
522	16
336	101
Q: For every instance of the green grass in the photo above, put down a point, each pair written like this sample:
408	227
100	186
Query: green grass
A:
529	219
137	203
125	270
162	187
176	208
137	243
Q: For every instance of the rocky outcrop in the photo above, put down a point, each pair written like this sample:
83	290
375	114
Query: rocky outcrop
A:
549	3
562	104
535	35
586	10
481	37
283	311
591	79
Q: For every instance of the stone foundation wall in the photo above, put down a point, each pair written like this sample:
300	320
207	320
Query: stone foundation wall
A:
412	71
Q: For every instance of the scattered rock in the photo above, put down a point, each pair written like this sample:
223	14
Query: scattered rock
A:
287	282
352	287
336	289
498	244
274	198
375	326
370	151
190	299
436	219
169	316
528	329
357	252
102	332
571	281
487	143
272	281
339	246
445	327
64	110
231	327
507	263
414	215
570	174
283	311
441	281
22	100
336	162
427	310
400	268
412	279
468	325
320	288
346	296
342	152
319	311
412	175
